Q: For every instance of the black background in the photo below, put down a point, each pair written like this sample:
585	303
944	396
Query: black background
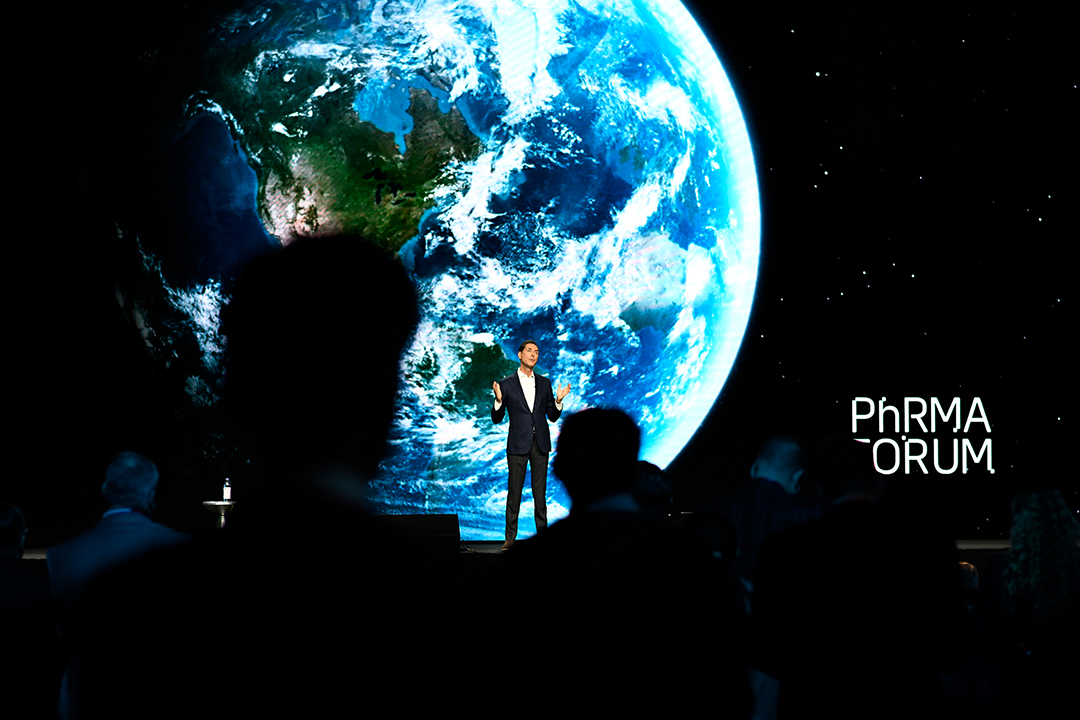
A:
915	166
915	160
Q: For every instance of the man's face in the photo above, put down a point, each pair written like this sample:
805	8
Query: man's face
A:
529	355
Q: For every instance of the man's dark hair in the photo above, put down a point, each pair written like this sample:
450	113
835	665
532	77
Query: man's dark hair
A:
12	527
130	481
527	342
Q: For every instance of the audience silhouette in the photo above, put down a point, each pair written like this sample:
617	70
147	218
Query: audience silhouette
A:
301	604
769	502
124	533
1034	601
857	613
630	614
306	604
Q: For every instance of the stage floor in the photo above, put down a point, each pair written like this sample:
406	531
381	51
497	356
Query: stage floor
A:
493	547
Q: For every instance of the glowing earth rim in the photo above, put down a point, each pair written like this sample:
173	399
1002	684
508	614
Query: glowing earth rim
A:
703	65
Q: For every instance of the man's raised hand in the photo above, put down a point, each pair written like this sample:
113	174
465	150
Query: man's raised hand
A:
498	390
562	392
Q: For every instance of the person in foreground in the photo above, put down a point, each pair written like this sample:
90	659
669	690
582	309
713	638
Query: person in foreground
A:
1033	590
304	605
634	614
769	502
527	397
858	612
124	534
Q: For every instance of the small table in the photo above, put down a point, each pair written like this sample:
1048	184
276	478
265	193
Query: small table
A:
220	508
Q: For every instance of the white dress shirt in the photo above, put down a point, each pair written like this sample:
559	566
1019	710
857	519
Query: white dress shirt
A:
528	386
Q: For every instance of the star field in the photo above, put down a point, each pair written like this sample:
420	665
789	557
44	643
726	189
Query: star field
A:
912	241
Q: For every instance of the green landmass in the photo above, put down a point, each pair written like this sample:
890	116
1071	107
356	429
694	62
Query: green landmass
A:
473	389
328	156
632	152
662	319
384	193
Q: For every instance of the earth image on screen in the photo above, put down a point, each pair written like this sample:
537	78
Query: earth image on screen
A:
576	173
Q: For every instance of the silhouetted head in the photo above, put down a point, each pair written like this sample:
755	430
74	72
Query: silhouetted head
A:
653	489
315	334
781	460
130	481
843	466
597	454
12	532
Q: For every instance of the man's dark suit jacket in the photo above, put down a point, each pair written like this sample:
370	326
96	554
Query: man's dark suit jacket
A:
522	421
115	540
762	508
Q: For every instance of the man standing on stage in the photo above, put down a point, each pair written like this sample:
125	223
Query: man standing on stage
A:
528	397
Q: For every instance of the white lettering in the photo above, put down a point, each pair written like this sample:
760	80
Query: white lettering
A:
855	416
935	405
908	457
955	458
975	458
908	416
882	409
976	403
896	450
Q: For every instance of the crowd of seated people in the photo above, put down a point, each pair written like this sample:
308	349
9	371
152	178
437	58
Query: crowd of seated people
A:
803	595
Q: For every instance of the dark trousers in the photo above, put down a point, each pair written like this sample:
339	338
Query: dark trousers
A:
538	462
